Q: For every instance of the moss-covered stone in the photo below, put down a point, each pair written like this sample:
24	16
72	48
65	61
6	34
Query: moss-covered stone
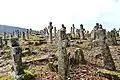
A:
104	71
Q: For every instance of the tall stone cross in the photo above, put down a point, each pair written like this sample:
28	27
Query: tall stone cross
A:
82	37
27	33
55	32
50	27
73	31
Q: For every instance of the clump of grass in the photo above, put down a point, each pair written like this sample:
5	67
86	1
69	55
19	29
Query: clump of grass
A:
29	72
7	51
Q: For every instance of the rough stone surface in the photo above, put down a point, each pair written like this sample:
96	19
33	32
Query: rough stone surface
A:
50	27
16	59
62	58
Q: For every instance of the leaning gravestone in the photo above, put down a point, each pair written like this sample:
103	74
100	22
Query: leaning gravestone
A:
16	59
46	31
42	34
107	57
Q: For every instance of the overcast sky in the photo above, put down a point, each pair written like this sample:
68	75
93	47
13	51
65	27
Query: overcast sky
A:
37	14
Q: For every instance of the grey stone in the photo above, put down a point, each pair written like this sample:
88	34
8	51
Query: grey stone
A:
50	27
62	56
16	59
111	39
107	57
82	35
23	35
27	33
54	31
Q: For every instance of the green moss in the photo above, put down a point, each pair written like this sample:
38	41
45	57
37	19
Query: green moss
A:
6	51
29	72
104	71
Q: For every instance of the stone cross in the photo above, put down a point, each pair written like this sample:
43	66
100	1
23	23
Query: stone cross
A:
50	27
97	26
62	56
23	35
54	31
73	31
27	33
107	57
30	31
82	37
16	59
100	27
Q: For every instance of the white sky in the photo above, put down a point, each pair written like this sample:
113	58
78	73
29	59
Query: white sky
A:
37	14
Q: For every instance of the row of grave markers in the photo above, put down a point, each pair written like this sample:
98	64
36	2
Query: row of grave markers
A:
82	33
98	34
